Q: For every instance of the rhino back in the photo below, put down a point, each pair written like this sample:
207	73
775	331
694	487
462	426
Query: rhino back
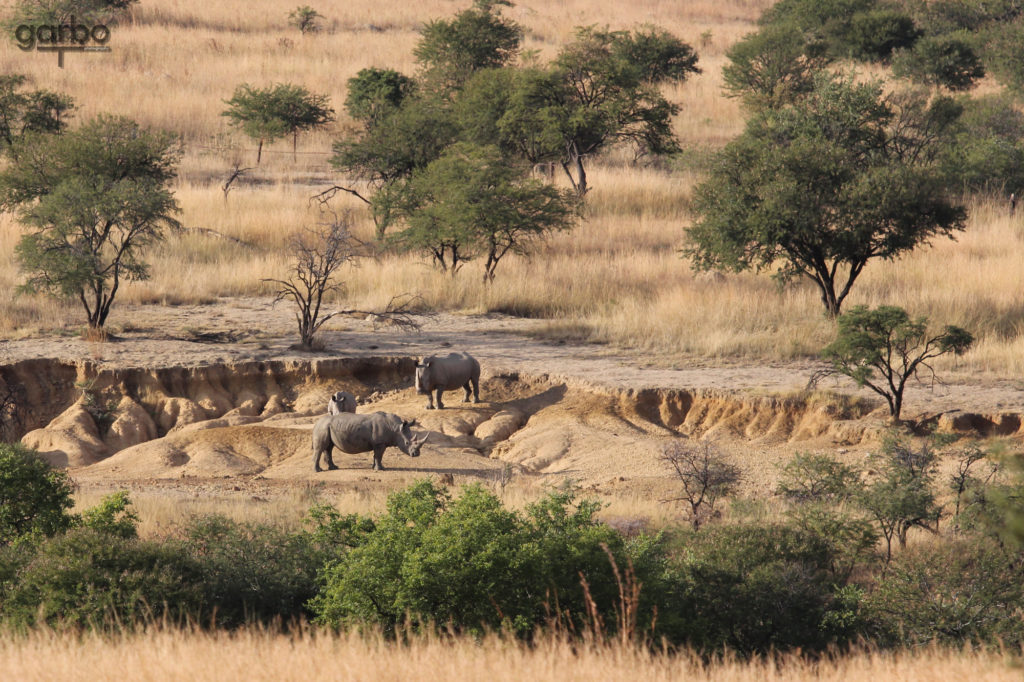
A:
351	433
452	370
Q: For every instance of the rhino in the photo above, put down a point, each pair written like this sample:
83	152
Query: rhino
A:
342	401
437	373
355	433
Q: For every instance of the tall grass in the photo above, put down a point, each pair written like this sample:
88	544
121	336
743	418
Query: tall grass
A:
617	278
256	655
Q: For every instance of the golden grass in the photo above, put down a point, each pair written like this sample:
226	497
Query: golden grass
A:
255	655
619	277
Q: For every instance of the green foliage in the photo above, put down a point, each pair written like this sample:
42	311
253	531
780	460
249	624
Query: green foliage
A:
334	533
1003	53
470	201
469	564
477	38
874	35
819	188
901	495
755	588
386	153
252	572
947	60
306	19
93	200
112	516
90	578
817	478
374	93
34	498
36	111
950	592
57	12
986	154
267	114
884	347
773	66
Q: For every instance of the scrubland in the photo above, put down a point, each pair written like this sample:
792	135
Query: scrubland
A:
619	274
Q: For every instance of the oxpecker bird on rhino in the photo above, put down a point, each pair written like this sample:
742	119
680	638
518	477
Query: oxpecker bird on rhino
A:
447	373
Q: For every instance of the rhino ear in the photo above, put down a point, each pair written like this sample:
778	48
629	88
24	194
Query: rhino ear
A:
414	423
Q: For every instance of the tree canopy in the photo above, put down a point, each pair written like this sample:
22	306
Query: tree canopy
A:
268	114
93	199
819	188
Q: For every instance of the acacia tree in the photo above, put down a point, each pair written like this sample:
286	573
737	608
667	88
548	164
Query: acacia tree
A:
35	111
451	50
883	348
93	200
600	90
470	201
773	66
819	188
269	114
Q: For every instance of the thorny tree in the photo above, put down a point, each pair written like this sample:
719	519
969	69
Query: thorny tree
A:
319	253
705	474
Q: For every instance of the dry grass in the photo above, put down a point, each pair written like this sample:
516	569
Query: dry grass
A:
619	276
255	655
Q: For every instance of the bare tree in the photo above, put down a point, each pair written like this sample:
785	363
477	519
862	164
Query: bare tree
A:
319	252
705	474
12	412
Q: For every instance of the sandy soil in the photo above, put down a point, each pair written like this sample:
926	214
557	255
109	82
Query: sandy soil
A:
255	329
550	411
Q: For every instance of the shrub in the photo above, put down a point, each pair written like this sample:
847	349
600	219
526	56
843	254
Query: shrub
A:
947	60
950	592
756	588
471	564
33	497
252	572
89	578
873	35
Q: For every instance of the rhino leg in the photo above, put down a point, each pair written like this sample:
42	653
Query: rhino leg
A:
430	399
476	390
440	405
466	389
378	453
328	456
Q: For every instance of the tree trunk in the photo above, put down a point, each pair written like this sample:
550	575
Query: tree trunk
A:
259	152
295	144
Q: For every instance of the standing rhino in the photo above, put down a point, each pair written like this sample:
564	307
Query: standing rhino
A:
447	373
355	433
342	401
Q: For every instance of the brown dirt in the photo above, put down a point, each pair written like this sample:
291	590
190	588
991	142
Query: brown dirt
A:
230	400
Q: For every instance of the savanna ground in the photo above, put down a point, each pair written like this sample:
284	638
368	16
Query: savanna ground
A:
617	280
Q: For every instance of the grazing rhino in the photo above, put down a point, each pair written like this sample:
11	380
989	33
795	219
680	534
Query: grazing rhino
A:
342	401
447	373
355	433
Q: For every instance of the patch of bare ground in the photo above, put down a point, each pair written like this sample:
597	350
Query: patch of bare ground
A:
215	396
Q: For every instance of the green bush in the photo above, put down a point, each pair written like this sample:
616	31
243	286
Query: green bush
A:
874	35
756	588
947	60
33	497
471	564
89	578
987	152
252	572
950	592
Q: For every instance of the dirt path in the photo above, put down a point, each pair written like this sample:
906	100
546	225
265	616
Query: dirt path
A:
253	329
